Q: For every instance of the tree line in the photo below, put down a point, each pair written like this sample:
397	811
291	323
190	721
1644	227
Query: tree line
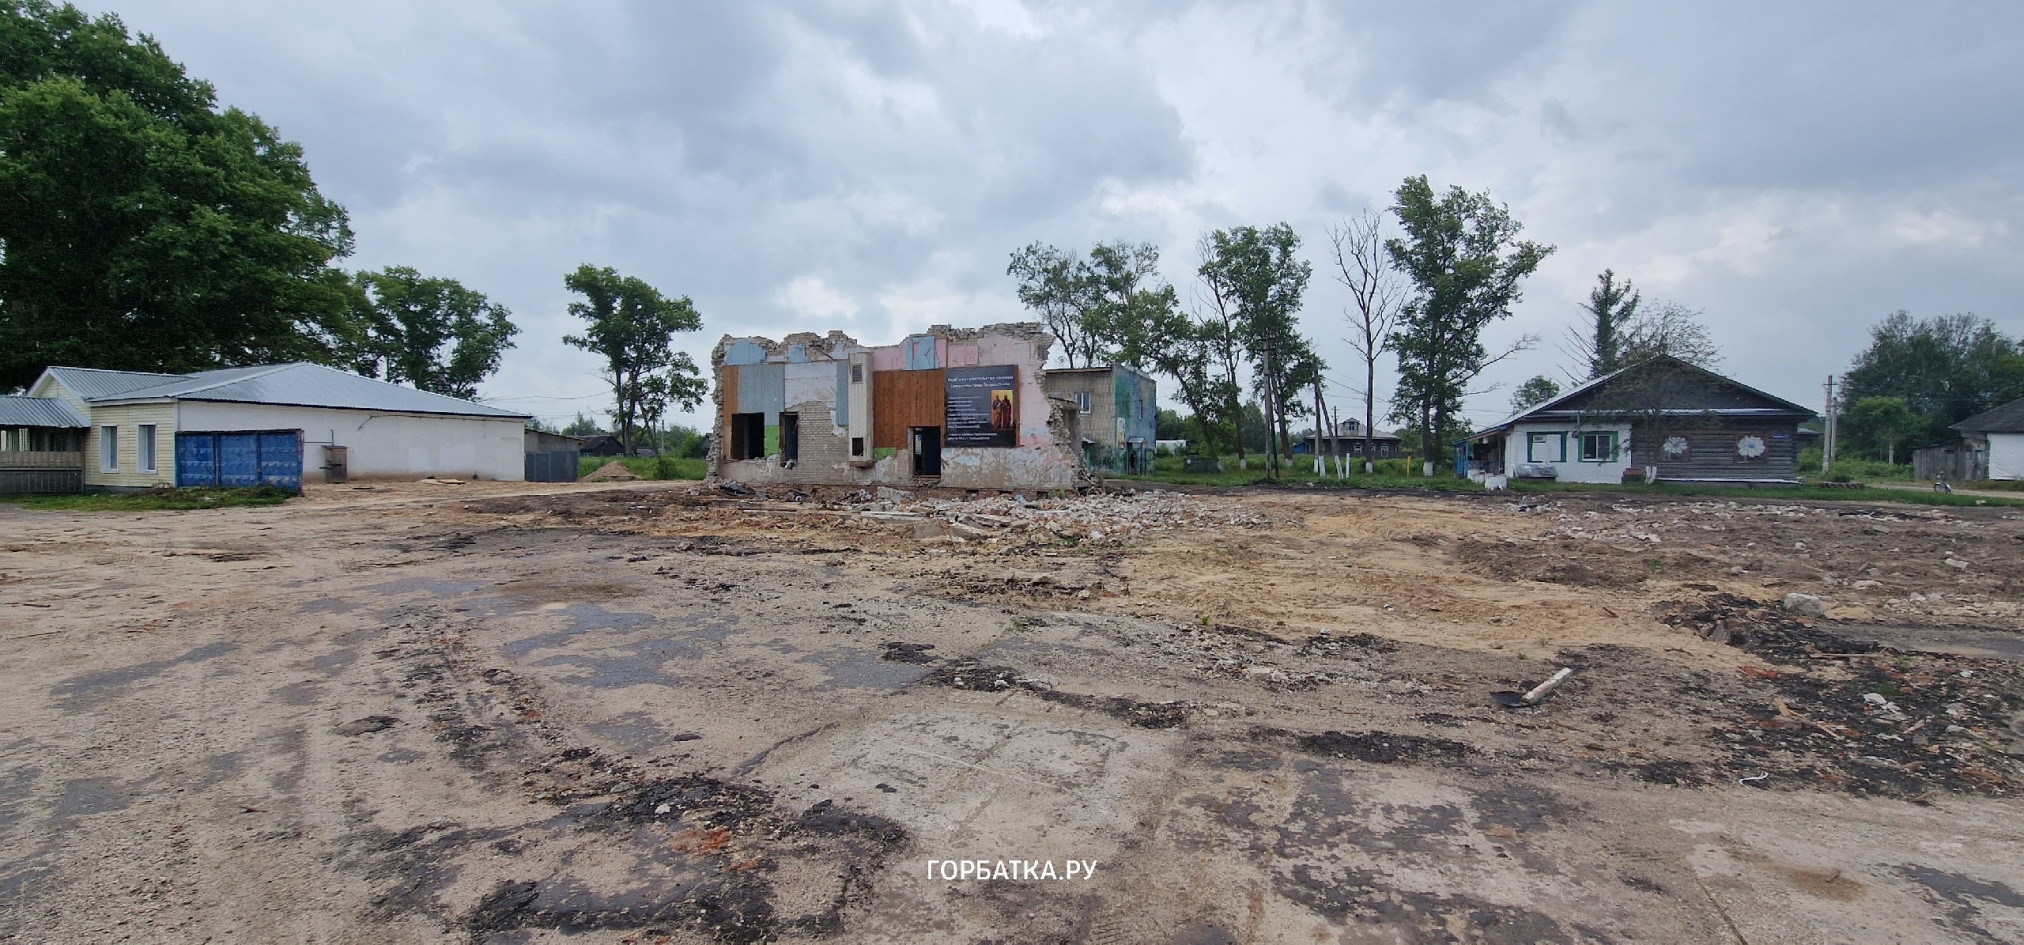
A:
1425	296
1919	377
145	228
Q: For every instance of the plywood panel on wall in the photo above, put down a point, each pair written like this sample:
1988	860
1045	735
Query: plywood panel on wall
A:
727	387
903	399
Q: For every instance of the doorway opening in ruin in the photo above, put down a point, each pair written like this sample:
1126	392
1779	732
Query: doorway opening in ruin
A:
927	443
790	438
748	436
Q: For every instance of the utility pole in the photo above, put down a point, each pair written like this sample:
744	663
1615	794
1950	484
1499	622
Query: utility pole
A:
1827	441
1270	413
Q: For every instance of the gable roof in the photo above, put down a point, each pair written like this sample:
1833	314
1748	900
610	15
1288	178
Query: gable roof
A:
1563	406
298	384
18	411
2008	418
93	383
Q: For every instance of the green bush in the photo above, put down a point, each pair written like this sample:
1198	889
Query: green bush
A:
1392	467
1855	470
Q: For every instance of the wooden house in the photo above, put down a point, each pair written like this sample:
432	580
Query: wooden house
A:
1661	418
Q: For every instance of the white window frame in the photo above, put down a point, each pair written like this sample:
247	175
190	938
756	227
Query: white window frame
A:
1609	454
1085	401
144	448
108	448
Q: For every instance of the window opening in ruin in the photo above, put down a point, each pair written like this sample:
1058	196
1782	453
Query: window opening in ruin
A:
748	436
857	446
790	437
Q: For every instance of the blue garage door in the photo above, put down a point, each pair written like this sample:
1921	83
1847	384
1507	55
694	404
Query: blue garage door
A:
240	459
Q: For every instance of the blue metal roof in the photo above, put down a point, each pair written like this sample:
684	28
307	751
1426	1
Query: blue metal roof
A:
39	412
302	384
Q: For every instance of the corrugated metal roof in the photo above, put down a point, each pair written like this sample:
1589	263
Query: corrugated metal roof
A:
39	412
306	385
92	383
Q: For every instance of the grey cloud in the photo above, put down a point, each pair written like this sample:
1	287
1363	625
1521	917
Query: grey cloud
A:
725	150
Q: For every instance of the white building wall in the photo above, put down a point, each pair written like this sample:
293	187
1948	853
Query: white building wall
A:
2006	455
1564	442
381	445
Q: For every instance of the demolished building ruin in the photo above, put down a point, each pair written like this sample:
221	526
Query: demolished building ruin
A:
957	408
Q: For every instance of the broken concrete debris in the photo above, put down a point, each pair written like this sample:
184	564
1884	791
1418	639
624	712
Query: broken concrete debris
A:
1511	699
1100	519
1807	604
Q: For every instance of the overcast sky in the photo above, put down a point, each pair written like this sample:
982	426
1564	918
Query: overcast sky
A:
1797	171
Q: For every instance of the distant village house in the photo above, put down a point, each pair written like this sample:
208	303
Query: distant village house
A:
81	429
1662	418
1119	411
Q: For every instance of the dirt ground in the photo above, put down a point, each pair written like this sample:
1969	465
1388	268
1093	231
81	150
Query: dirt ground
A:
654	712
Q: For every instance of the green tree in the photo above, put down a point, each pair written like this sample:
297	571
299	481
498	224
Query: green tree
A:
1190	352
1057	285
1877	426
1612	307
1133	310
1257	281
1169	425
632	326
1253	431
582	426
143	227
1109	307
1463	255
1534	392
431	333
1945	368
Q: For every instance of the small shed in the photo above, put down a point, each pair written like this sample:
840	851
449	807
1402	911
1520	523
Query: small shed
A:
552	457
41	445
1998	434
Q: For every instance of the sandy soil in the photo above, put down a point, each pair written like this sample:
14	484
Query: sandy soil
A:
510	713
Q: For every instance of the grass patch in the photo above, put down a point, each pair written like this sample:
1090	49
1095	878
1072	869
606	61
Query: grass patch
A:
649	467
156	500
1804	493
1854	470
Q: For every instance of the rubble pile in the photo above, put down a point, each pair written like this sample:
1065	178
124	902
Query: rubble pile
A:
1099	519
1863	717
1756	627
1648	523
1902	727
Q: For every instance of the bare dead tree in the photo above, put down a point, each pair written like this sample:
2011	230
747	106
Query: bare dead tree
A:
1378	292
